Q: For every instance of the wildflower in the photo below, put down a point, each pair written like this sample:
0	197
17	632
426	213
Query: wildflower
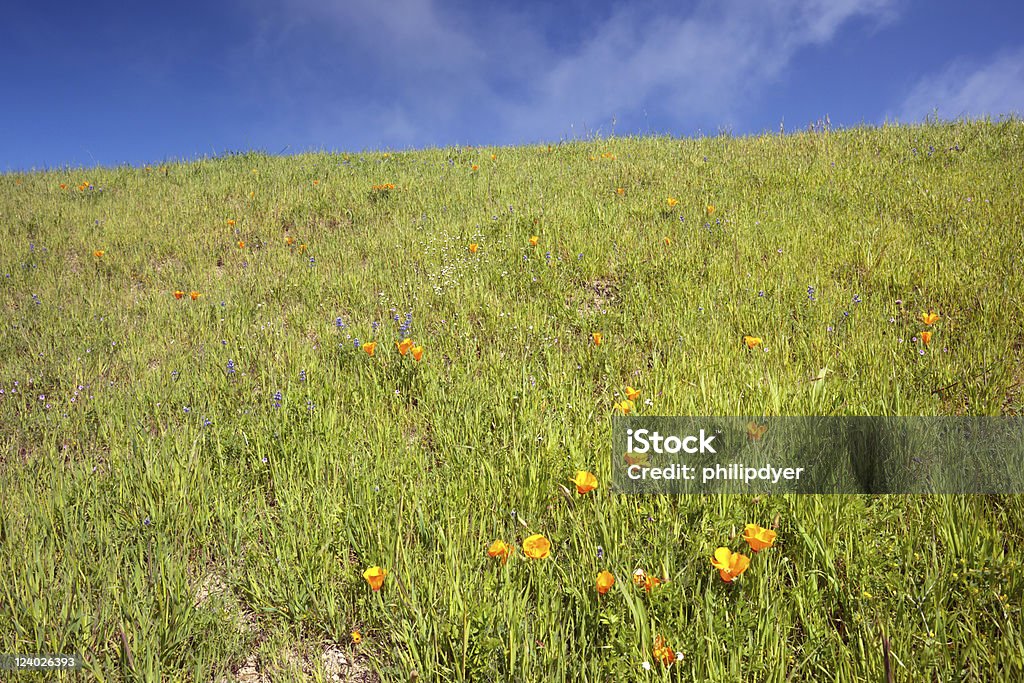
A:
231	221
620	191
375	577
302	248
632	394
929	318
178	294
729	564
500	550
759	539
63	186
625	407
751	342
668	241
651	582
417	353
357	637
662	652
241	244
597	337
404	346
534	240
672	201
536	547
370	347
494	157
710	209
231	366
605	581
289	240
475	168
194	295
926	337
316	182
755	431
585	482
473	248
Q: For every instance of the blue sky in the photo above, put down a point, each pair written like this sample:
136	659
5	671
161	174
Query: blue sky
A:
94	82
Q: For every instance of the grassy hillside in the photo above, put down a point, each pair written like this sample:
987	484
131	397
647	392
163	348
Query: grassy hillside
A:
192	488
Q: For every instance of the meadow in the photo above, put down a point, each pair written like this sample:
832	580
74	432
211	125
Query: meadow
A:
201	461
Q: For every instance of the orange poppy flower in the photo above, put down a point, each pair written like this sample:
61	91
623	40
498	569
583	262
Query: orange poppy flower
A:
759	539
668	241
534	240
417	353
473	248
597	337
370	347
662	652
98	253
926	337
404	346
178	294
605	581
63	186
620	191
929	318
632	394
625	407
755	431
751	342
475	168
241	244
672	201
537	547
494	157
375	577
231	221
289	240
710	209
500	550
316	182
729	564
585	482
194	295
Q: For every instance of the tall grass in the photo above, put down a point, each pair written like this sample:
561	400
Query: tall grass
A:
166	515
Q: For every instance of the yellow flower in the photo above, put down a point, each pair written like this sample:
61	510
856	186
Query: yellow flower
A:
194	295
620	191
370	347
632	394
710	209
755	431
585	482
375	577
729	564
759	539
672	201
662	652
597	337
357	637
929	318
473	248
289	240
751	342
926	337
231	221
626	407
536	547
500	550
605	581
302	248
534	240
494	157
417	353
241	244
404	346
178	294
98	253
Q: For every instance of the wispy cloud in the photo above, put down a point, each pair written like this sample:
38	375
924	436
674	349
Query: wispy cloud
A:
969	89
442	70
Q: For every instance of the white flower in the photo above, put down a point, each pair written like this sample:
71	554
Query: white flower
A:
646	666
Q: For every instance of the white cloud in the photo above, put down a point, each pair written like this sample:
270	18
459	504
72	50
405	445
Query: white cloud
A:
969	90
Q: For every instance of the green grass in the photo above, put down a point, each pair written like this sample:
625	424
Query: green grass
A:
161	516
